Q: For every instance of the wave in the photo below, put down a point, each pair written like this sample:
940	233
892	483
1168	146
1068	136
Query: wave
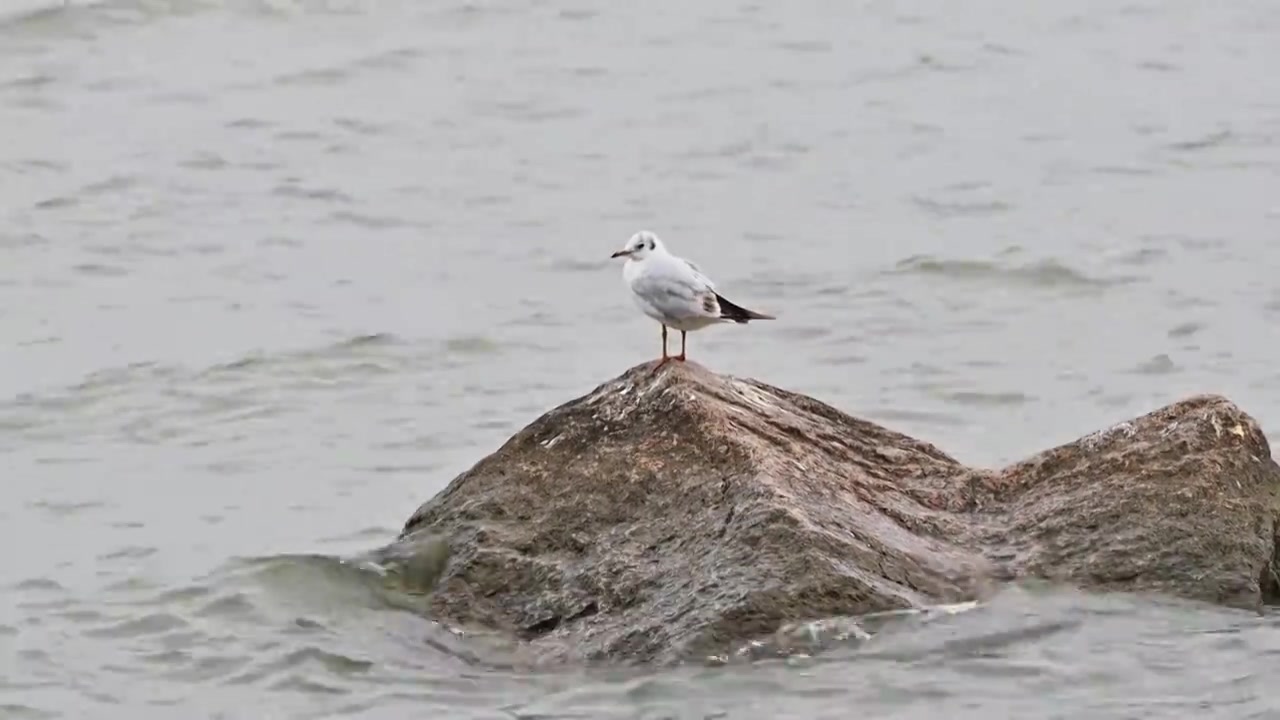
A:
1042	274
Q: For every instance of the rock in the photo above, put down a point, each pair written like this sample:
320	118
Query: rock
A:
676	515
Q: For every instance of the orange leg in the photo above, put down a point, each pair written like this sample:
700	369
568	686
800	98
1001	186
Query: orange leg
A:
680	357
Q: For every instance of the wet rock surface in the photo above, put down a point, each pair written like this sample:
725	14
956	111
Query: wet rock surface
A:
677	514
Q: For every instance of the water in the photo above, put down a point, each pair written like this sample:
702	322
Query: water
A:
274	271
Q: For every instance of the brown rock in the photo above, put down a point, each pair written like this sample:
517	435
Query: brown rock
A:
672	515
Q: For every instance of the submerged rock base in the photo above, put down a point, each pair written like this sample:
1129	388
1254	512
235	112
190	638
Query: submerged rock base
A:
675	514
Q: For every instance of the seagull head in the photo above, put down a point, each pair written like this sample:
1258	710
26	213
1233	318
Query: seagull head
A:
640	246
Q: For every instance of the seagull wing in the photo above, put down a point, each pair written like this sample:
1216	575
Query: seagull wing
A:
677	289
698	271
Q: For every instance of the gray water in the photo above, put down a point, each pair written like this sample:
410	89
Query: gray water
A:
273	271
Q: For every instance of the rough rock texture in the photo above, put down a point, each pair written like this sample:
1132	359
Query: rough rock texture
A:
669	515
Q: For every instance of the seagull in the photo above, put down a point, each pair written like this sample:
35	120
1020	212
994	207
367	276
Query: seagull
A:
674	291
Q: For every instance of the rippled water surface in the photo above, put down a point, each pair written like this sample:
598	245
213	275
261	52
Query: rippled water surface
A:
273	271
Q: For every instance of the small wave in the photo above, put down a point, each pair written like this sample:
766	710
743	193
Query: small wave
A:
1143	256
360	127
1204	142
250	123
306	580
375	533
397	59
841	360
232	605
1160	364
472	345
1124	170
353	346
100	270
197	668
116	377
978	398
197	400
371	222
37	80
805	46
804	332
205	160
301	684
130	552
812	637
33	14
305	136
67	508
41	585
22	240
299	602
418	470
920	65
310	604
315	76
73	16
958	208
906	415
1043	274
25	712
149	624
331	662
293	190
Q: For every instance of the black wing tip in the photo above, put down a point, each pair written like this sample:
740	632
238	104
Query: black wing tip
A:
737	313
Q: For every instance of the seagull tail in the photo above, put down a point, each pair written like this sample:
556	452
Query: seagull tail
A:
737	313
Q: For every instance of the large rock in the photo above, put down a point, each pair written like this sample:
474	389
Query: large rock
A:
672	514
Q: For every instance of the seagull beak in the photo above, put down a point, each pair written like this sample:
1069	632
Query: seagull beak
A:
620	253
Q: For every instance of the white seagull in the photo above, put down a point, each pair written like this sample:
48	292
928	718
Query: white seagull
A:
674	291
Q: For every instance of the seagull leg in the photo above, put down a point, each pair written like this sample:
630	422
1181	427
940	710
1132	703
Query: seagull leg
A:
665	357
680	357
